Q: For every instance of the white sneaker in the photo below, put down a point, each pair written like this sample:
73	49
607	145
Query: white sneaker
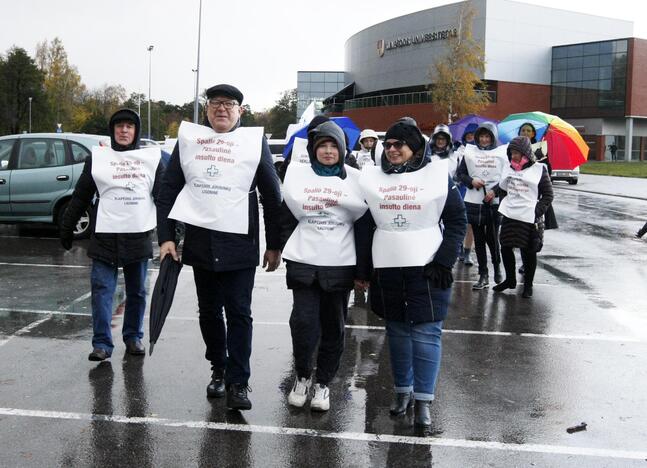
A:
321	399
299	393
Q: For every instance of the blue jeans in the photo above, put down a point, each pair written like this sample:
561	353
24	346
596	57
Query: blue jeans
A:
415	351
104	283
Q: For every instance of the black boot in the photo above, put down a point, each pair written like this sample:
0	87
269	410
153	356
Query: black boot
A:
422	418
498	277
237	397
216	388
401	402
527	291
507	284
482	283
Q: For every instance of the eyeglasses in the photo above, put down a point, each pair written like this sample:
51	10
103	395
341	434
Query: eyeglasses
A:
214	104
397	145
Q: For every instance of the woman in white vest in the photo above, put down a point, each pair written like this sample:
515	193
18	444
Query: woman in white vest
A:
369	146
126	180
322	202
480	172
412	257
529	195
440	148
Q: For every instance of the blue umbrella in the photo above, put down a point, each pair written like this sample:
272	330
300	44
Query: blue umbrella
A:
347	125
458	128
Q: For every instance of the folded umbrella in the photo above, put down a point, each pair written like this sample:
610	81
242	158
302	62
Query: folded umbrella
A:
162	298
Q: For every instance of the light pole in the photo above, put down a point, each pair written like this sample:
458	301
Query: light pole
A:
150	62
197	68
30	98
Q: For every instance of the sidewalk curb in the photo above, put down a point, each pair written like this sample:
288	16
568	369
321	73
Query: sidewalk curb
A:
601	193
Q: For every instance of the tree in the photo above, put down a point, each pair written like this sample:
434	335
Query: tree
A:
457	88
20	80
63	84
282	114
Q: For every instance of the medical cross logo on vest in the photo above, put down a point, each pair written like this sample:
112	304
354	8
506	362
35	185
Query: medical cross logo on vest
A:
130	186
213	171
400	222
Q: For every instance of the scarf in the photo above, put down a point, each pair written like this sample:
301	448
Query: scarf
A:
325	171
517	166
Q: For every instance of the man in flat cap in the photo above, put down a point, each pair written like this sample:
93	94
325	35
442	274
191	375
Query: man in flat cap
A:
210	185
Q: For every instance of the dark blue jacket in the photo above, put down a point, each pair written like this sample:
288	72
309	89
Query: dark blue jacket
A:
216	250
406	294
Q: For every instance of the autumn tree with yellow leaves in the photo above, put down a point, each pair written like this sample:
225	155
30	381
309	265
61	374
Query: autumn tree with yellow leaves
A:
457	88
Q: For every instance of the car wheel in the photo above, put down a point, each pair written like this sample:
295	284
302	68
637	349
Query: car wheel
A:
572	181
82	228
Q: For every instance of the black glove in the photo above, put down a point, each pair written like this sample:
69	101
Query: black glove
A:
66	240
439	275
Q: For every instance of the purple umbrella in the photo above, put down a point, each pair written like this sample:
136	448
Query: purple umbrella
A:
458	128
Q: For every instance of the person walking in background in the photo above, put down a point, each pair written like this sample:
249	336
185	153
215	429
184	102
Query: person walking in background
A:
321	204
480	171
369	147
127	182
465	255
528	194
215	197
441	148
613	148
408	198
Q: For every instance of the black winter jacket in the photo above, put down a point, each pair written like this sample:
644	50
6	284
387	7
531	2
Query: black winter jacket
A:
116	249
216	250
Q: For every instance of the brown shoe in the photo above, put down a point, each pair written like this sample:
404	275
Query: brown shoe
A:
98	354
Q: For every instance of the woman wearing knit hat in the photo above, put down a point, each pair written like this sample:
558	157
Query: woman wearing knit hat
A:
412	257
322	202
529	195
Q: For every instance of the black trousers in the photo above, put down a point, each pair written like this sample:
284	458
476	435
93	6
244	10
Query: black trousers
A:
485	234
228	347
529	258
318	316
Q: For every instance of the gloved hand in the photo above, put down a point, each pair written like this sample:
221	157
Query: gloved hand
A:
439	275
66	240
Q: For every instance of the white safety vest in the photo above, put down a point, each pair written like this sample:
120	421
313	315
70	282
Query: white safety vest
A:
124	180
364	158
452	162
406	209
300	151
523	191
326	208
219	169
486	165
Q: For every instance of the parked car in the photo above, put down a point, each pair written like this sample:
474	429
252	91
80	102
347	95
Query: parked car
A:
38	173
569	175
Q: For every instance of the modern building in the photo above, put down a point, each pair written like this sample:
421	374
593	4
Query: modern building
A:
584	68
316	86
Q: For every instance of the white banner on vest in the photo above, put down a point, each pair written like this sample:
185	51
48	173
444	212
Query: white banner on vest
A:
486	165
219	169
326	208
300	151
124	180
523	191
406	209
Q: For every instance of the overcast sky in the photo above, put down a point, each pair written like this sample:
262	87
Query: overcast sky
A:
257	45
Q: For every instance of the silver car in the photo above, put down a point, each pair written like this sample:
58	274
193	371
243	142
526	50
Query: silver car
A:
38	173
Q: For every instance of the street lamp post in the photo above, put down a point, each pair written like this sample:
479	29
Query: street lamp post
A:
197	68
150	62
30	98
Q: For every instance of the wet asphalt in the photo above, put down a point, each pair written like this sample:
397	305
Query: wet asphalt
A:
516	373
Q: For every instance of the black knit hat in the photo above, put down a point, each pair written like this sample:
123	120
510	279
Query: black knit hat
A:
521	144
403	130
225	90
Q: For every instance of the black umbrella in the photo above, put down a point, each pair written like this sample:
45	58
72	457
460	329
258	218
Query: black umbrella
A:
162	297
492	225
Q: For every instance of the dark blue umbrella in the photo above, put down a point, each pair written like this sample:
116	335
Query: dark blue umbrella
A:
347	125
458	128
162	297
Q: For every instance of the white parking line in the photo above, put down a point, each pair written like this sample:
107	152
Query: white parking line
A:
25	330
613	339
353	436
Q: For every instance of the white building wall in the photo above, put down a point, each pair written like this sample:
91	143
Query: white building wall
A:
519	37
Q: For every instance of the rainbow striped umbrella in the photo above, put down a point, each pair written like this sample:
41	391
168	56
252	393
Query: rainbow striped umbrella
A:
566	147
